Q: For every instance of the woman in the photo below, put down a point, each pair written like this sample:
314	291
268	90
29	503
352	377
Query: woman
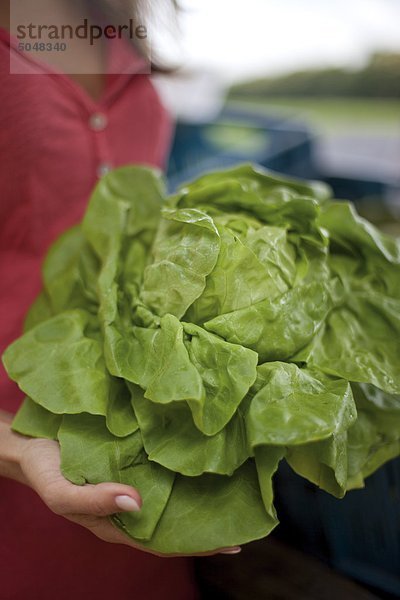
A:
58	134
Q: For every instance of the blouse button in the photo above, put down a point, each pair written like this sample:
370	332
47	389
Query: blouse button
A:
103	169
98	121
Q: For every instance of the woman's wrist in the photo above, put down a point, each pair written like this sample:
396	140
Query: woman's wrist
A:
11	449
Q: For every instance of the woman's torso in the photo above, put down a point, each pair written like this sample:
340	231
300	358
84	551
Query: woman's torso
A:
55	141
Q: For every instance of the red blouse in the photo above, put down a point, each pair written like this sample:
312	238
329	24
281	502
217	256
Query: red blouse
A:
55	141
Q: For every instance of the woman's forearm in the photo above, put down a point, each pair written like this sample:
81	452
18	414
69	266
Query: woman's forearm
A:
11	448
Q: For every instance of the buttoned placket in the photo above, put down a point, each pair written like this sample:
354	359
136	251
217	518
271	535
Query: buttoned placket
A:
98	123
97	116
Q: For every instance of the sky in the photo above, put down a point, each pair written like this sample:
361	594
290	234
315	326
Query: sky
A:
240	40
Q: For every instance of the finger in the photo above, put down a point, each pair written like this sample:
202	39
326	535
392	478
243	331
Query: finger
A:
230	550
42	465
99	500
233	550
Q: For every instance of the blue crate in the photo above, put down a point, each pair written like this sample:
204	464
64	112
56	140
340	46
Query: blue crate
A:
238	136
355	189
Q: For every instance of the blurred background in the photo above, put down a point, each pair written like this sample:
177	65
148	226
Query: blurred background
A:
308	88
311	89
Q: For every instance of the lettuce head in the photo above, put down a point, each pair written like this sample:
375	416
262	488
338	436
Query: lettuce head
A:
186	345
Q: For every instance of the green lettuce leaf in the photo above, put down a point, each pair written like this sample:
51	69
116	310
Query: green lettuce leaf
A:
323	463
277	328
204	511
35	421
185	252
295	406
61	353
171	439
360	341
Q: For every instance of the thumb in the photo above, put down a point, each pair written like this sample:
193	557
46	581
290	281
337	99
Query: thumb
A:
99	500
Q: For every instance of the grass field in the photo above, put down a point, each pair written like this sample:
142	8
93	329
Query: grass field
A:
331	115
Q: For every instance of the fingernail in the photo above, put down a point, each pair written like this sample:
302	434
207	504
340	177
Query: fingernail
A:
127	503
231	551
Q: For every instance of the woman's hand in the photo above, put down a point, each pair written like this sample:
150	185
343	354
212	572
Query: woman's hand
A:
37	464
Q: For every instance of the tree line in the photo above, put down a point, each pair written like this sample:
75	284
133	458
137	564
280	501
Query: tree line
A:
380	78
